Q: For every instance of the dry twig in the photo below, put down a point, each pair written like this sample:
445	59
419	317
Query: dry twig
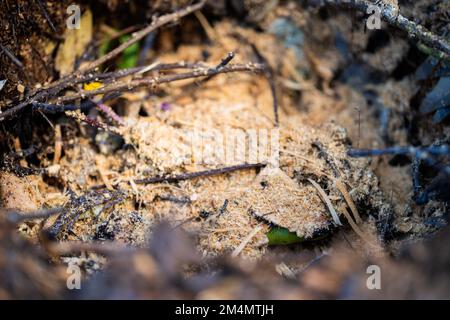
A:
327	201
193	175
17	217
390	15
246	240
133	84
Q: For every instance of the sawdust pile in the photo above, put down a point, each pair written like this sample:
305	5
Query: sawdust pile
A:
221	210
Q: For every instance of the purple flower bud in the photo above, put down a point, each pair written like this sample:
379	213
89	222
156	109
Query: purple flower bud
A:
165	106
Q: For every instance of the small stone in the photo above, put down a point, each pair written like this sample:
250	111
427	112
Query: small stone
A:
21	88
53	171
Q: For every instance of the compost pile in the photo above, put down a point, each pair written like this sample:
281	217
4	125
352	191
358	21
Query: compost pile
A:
100	169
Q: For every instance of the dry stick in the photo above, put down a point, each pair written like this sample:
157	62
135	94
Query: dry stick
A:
341	187
206	26
52	108
327	201
98	76
133	84
45	13
159	22
225	61
270	75
114	75
92	122
355	227
16	217
244	242
348	199
58	144
14	110
109	112
193	175
11	56
101	76
390	15
326	156
104	248
273	89
187	89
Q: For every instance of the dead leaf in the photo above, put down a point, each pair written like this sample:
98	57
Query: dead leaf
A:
74	44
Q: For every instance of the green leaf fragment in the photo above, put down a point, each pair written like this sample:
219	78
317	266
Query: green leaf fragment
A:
129	57
282	236
104	47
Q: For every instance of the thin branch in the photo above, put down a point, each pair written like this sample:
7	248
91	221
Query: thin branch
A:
14	110
225	61
427	154
270	75
91	121
104	248
326	156
199	71
110	113
16	217
45	13
391	15
420	152
11	56
246	240
193	175
54	108
114	75
86	105
327	201
133	84
348	198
